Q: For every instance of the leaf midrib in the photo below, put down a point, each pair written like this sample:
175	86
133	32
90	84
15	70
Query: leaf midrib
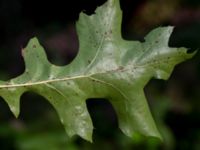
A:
57	80
69	78
76	77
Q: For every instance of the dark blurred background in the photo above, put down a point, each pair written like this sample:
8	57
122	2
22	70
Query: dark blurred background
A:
175	103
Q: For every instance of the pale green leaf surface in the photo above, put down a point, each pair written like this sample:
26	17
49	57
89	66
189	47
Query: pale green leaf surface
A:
106	67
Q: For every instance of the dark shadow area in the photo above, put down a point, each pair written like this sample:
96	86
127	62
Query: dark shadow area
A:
7	138
103	116
38	122
185	127
5	114
36	108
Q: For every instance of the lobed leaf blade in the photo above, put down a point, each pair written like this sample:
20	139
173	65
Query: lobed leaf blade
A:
106	66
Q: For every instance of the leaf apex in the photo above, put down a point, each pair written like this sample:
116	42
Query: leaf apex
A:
87	137
15	110
33	41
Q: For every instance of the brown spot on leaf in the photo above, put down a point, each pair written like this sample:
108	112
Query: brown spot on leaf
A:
120	68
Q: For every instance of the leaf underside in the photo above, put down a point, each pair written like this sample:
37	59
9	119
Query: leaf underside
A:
106	66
